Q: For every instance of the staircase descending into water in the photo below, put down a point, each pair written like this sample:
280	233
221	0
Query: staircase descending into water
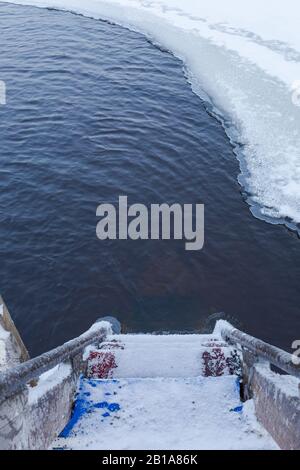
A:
107	390
161	392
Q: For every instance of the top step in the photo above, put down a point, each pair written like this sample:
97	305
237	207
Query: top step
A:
152	339
141	356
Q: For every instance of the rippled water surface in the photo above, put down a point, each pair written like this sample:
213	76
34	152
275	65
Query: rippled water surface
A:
93	112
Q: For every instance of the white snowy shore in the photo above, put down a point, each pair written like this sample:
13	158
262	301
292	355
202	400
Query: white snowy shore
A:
245	56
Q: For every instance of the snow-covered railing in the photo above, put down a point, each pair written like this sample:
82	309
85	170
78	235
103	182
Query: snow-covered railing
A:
276	397
13	380
260	350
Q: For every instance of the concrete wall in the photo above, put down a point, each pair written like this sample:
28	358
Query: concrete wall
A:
12	348
277	405
33	418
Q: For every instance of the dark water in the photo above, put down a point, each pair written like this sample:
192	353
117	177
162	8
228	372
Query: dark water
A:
93	112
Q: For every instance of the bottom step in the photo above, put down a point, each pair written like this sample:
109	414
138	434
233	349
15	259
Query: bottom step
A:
160	413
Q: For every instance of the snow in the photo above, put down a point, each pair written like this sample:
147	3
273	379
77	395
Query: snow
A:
4	335
159	355
155	392
60	372
152	414
97	326
49	380
250	417
286	384
168	339
245	58
222	325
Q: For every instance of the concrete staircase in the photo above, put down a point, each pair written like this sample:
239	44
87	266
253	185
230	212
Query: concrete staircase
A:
106	390
162	392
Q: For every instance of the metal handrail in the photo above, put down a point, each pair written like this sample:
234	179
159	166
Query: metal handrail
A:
14	380
275	356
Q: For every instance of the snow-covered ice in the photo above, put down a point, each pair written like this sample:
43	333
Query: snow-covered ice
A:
244	56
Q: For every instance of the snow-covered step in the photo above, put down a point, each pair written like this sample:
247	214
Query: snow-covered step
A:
165	338
152	414
159	362
160	356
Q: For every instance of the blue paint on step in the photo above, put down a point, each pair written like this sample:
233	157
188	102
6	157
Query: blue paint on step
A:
114	407
237	409
83	405
102	404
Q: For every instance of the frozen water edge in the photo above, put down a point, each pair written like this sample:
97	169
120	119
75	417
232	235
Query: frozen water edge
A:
246	64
